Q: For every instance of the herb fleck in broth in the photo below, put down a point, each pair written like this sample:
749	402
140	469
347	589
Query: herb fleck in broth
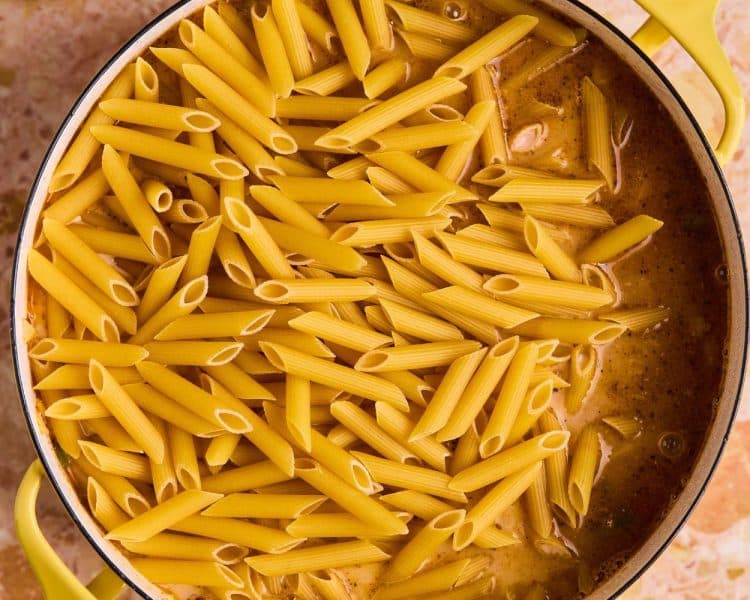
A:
667	379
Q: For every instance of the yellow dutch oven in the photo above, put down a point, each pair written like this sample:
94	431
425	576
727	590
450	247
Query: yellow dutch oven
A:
689	22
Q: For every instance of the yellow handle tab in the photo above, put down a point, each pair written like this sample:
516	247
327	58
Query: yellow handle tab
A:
692	25
57	581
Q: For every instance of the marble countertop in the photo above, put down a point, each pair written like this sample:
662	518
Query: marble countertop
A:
48	52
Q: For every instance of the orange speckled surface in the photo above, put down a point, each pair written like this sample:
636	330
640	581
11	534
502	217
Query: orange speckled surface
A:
48	52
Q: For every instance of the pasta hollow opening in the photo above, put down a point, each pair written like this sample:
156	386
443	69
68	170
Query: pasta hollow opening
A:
194	292
160	245
228	169
186	478
63	180
504	283
504	347
334	142
362	477
283	144
490	446
463	535
444	112
271	290
540	396
42	349
201	122
232	422
146	75
111	333
372	360
238	274
399	250
96	376
124	294
449	520
237	213
229	554
607	334
225	356
554	441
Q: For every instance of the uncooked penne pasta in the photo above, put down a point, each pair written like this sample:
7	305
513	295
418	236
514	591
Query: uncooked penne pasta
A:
524	288
293	35
492	144
351	34
487	47
479	306
583	216
425	47
391	111
272	49
572	331
598	127
549	253
327	81
584	361
548	190
456	156
340	332
617	240
415	356
418	324
428	23
319	557
163	116
377	26
583	469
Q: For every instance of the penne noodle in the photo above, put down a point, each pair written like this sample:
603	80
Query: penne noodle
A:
386	75
184	458
76	377
617	240
241	219
160	287
477	305
308	189
399	426
549	253
571	331
537	400
319	30
548	28
287	210
484	513
388	183
582	216
337	525
227	28
509	399
351	34
367	430
418	324
168	152
250	151
271	45
334	375
349	498
85	145
230	415
72	298
491	257
583	469
524	288
244	478
406	205
485	233
417	174
328	556
164	116
265	506
598	128
638	319
420	137
415	356
410	477
502	218
548	190
293	36
456	156
320	249
509	461
478	390
116	462
413	387
239	110
198	353
377	25
183	547
387	231
448	394
74	202
340	332
102	506
277	291
417	20
435	113
220	450
237	531
219	324
492	145
82	351
425	47
390	111
321	108
327	81
487	47
157	194
425	543
584	361
119	490
298	411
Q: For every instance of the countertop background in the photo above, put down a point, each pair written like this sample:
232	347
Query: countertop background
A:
48	52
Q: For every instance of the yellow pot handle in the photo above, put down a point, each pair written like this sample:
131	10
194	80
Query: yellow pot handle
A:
57	581
691	23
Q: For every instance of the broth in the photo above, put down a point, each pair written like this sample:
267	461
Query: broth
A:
667	378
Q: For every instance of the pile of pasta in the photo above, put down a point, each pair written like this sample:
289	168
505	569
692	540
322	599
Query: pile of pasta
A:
279	332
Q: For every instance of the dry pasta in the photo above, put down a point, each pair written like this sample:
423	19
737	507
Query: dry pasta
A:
350	356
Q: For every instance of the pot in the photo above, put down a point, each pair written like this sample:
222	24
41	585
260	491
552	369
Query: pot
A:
689	23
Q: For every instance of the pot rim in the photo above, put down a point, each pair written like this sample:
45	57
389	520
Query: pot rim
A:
15	330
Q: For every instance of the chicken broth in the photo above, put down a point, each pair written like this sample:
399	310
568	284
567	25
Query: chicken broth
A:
648	399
